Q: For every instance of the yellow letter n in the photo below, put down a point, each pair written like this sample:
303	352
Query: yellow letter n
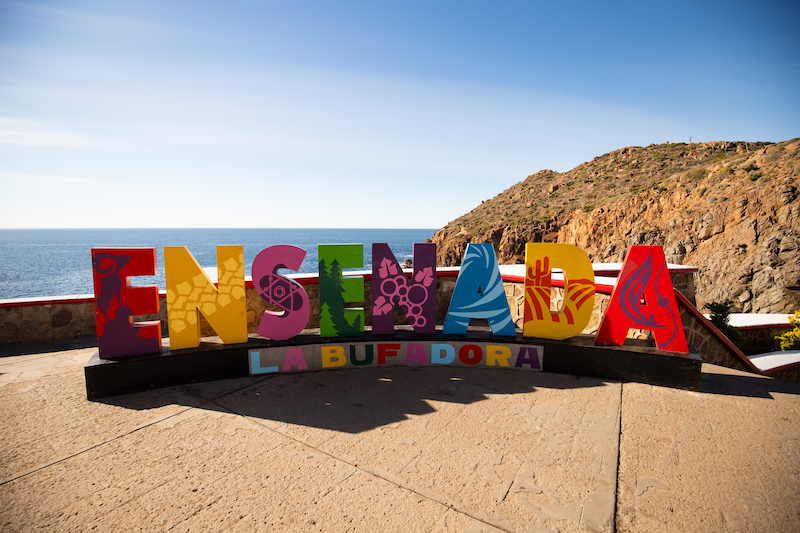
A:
190	291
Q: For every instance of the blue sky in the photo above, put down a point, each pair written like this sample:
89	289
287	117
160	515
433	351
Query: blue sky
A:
361	114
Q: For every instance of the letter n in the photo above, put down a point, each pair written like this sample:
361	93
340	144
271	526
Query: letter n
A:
390	286
190	291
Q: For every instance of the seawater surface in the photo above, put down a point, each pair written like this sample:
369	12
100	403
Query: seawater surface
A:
56	262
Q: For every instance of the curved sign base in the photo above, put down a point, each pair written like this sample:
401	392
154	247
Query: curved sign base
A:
213	360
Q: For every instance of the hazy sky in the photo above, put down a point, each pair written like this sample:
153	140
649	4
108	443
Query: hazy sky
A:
361	114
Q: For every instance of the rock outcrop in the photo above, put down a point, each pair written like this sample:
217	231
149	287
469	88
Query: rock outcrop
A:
731	209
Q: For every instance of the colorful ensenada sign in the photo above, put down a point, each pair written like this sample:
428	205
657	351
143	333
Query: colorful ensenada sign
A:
643	298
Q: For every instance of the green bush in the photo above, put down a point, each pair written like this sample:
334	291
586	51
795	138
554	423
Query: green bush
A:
791	339
720	313
721	317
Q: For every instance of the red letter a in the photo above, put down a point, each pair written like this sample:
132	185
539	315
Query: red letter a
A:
643	298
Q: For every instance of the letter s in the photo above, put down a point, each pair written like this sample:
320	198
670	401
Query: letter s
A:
281	292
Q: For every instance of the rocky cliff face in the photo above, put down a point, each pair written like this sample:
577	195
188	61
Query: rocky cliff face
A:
731	209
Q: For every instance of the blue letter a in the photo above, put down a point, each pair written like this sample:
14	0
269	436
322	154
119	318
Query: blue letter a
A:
479	293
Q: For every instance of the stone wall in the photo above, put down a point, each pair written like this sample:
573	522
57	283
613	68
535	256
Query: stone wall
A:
61	319
714	351
761	340
710	348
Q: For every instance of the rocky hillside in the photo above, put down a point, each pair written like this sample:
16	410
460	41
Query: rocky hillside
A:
730	208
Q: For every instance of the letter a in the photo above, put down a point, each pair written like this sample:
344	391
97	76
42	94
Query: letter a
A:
479	293
643	298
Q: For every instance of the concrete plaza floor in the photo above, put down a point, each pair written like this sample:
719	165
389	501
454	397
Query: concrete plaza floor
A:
395	449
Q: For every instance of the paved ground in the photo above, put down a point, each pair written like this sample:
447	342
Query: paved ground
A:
399	449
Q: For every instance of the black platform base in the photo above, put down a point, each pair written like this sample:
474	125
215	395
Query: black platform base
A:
212	360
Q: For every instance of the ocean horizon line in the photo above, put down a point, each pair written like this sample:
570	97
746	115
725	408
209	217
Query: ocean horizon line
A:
41	262
221	228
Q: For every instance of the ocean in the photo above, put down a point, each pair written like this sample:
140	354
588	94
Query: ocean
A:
57	262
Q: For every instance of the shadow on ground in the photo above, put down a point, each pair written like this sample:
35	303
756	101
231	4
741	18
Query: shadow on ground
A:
37	347
749	385
352	401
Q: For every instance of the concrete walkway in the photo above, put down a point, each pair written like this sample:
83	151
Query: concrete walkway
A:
398	449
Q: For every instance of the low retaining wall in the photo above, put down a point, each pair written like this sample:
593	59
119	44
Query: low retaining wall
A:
761	340
37	319
44	319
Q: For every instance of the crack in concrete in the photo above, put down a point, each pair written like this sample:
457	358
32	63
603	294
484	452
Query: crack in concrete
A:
211	401
619	458
204	401
90	448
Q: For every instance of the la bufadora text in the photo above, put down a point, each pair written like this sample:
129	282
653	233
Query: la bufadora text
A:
643	297
322	357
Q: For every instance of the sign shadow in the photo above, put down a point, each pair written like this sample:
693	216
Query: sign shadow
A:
353	401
